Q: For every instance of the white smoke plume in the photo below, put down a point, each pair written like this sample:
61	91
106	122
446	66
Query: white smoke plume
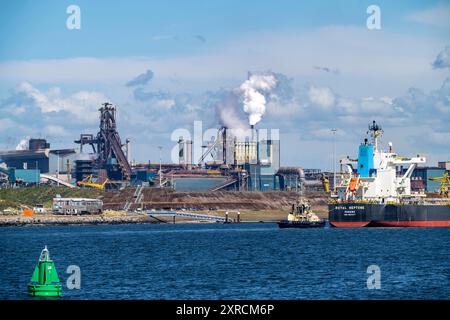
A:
231	116
253	90
251	95
229	113
23	144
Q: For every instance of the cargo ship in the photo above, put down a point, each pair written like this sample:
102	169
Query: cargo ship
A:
375	191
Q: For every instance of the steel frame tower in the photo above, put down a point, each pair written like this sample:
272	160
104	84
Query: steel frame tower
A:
109	146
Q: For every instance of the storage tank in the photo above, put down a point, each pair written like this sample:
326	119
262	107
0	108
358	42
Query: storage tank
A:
185	152
245	152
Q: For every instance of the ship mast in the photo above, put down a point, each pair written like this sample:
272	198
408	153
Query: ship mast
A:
375	132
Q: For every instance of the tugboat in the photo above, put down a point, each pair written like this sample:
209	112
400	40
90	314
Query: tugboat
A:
45	281
301	216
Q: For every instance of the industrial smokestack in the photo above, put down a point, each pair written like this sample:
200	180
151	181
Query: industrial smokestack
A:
224	145
128	150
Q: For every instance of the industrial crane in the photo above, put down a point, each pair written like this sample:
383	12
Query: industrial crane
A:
221	132
444	188
89	182
325	183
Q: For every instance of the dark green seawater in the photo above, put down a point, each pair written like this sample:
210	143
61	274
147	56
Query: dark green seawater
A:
216	261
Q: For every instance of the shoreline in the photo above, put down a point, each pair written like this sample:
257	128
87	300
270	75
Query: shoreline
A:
24	224
123	217
42	221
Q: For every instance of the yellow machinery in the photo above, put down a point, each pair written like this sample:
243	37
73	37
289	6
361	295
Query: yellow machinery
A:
213	172
88	182
444	189
325	183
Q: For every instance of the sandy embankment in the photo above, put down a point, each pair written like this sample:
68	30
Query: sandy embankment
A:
135	218
252	206
50	219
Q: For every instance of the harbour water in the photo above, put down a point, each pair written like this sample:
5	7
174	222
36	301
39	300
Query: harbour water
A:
237	261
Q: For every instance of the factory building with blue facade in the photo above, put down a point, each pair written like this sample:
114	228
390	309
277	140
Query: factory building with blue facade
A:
263	174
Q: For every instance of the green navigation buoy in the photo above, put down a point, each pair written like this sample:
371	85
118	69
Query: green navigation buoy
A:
45	281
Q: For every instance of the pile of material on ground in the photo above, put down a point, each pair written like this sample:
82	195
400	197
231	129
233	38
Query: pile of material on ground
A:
154	198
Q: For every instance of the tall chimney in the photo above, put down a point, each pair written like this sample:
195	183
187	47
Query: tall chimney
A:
128	150
224	145
253	137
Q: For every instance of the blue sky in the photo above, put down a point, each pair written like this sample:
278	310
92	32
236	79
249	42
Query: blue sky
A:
197	50
36	29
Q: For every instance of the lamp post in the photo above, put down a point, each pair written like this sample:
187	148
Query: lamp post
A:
334	130
57	169
160	166
37	174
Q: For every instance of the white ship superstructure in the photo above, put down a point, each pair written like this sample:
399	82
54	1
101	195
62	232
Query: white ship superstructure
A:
380	176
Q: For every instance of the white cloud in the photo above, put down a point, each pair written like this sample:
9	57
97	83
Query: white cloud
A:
165	104
284	108
55	130
383	106
321	96
438	16
82	105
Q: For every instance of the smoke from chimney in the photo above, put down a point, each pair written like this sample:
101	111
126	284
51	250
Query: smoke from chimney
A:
253	90
231	110
23	144
229	113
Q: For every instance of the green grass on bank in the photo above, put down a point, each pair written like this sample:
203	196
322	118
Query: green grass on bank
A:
41	195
